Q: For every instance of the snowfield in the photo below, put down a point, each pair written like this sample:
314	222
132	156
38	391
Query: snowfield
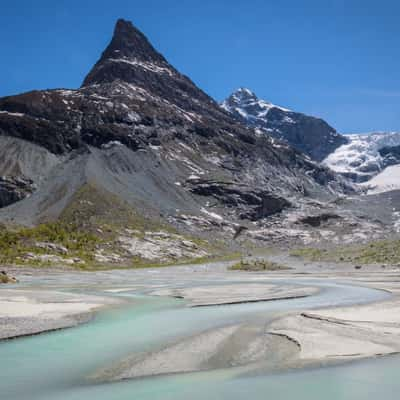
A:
360	157
387	180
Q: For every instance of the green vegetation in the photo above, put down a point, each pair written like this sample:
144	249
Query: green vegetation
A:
139	263
16	243
96	210
379	252
309	253
258	265
93	222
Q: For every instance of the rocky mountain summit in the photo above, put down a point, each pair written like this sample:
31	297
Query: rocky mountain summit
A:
139	148
310	135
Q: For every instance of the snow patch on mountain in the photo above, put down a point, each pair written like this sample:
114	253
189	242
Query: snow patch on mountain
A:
310	135
360	158
245	103
145	65
387	180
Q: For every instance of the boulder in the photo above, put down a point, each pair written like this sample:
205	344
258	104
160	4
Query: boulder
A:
13	189
5	278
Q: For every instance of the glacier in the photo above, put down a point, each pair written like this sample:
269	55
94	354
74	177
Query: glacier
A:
360	159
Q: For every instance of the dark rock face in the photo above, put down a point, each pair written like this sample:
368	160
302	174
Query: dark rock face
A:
14	189
310	135
390	155
133	97
131	58
253	204
317	220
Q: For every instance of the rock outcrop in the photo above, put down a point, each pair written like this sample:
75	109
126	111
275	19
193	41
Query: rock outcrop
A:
5	278
390	155
252	204
13	189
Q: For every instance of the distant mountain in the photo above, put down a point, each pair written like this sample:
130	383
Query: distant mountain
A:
310	135
365	155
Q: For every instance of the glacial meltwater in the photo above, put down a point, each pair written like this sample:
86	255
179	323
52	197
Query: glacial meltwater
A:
58	365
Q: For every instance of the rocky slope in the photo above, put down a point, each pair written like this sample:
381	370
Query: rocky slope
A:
149	143
310	135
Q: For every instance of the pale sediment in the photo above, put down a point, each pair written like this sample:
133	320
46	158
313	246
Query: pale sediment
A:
212	295
229	346
291	339
351	332
29	312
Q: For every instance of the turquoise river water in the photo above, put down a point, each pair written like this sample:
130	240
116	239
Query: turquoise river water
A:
56	365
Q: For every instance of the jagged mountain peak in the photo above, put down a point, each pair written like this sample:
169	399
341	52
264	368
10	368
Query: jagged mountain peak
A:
245	103
130	42
131	60
244	93
308	134
129	48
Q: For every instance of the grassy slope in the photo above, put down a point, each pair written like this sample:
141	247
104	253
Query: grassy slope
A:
91	221
257	265
379	252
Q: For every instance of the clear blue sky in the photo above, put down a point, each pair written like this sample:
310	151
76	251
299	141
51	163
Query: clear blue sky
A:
336	59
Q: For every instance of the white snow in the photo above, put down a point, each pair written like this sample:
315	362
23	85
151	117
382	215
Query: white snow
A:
144	65
110	144
243	100
396	215
195	169
66	92
133	117
213	159
211	214
186	147
387	180
13	114
193	177
361	155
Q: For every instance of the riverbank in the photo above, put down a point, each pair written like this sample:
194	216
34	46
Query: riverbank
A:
26	312
356	331
301	336
307	337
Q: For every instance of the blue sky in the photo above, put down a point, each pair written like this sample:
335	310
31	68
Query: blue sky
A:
335	59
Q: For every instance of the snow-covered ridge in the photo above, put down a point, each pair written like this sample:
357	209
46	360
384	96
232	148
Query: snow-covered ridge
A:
360	156
144	65
13	114
244	102
310	135
385	181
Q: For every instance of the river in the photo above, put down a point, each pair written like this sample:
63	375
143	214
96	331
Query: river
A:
57	365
